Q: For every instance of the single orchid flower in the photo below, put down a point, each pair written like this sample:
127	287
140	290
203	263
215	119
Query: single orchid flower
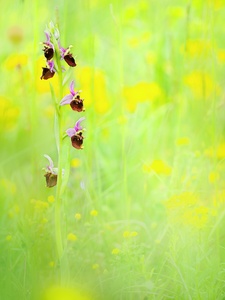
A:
67	56
73	99
49	71
51	173
48	47
75	134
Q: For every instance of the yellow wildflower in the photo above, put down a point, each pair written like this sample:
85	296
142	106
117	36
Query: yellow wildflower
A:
51	199
77	216
115	251
126	234
183	141
214	176
16	60
141	92
51	264
198	47
8	186
39	205
66	293
201	84
71	237
158	166
94	213
197	217
221	55
8	237
93	88
133	234
75	163
218	152
95	266
182	200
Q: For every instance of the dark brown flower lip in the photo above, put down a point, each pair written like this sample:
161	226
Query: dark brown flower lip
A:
51	179
77	104
46	73
70	60
77	140
48	52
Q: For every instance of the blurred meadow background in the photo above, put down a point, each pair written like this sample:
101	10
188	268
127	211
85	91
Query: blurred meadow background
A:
143	212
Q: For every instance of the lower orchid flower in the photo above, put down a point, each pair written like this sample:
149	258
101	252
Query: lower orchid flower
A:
48	72
73	99
75	134
51	173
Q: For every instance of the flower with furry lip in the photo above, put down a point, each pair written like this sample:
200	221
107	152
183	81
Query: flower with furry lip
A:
73	99
48	47
67	56
51	173
48	72
75	134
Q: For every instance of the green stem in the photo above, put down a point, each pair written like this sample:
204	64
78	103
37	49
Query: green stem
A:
59	142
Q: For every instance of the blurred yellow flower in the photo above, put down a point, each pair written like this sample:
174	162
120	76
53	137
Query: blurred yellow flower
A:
181	200
197	217
176	12
9	114
158	166
8	237
115	251
15	60
94	213
218	151
217	4
183	141
95	266
126	234
94	89
221	55
133	233
141	92
198	47
135	41
201	84
51	199
51	264
65	293
71	237
77	216
8	186
214	177
15	210
75	162
39	204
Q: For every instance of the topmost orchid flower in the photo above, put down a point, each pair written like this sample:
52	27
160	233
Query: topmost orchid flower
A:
52	46
48	47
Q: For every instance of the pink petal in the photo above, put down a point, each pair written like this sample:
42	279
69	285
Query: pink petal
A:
72	88
66	100
70	132
77	126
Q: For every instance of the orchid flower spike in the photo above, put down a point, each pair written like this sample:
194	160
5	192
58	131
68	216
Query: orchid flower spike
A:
75	134
73	99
